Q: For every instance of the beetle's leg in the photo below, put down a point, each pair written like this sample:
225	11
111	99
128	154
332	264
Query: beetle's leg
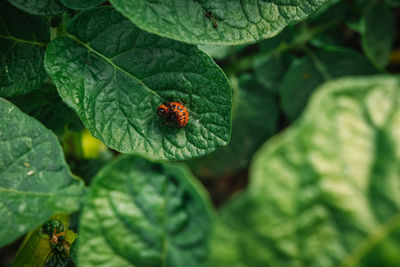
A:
60	234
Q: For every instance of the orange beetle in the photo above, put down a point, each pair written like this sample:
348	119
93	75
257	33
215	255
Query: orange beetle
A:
174	112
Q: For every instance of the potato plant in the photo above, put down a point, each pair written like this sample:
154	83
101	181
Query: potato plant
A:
199	133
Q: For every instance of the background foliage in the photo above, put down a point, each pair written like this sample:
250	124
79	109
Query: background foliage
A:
290	156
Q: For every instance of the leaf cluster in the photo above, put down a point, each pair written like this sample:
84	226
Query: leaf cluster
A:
293	103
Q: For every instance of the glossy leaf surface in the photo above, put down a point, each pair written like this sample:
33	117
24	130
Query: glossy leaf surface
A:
115	76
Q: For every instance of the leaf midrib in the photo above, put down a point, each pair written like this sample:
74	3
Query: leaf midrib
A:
10	190
18	40
381	233
109	61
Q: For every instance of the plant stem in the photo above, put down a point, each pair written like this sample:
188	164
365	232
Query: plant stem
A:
62	28
34	251
72	144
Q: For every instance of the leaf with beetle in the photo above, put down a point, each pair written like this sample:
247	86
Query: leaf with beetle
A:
115	76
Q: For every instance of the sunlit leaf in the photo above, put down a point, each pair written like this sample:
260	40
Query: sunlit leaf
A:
325	192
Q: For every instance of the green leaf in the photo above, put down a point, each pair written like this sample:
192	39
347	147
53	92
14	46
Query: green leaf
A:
329	39
284	38
393	3
333	10
331	16
46	106
377	39
235	242
216	51
216	21
74	251
142	213
306	74
39	7
255	117
79	4
115	76
325	192
270	70
22	47
35	181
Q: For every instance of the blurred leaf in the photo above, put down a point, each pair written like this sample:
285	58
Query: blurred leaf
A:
216	21
393	3
270	70
46	106
94	155
216	51
255	118
86	169
306	74
235	241
379	28
115	76
39	7
74	251
333	36
35	181
355	25
79	4
143	213
333	14
285	37
325	192
329	39
332	10
22	47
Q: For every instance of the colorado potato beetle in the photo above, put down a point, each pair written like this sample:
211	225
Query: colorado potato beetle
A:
174	112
